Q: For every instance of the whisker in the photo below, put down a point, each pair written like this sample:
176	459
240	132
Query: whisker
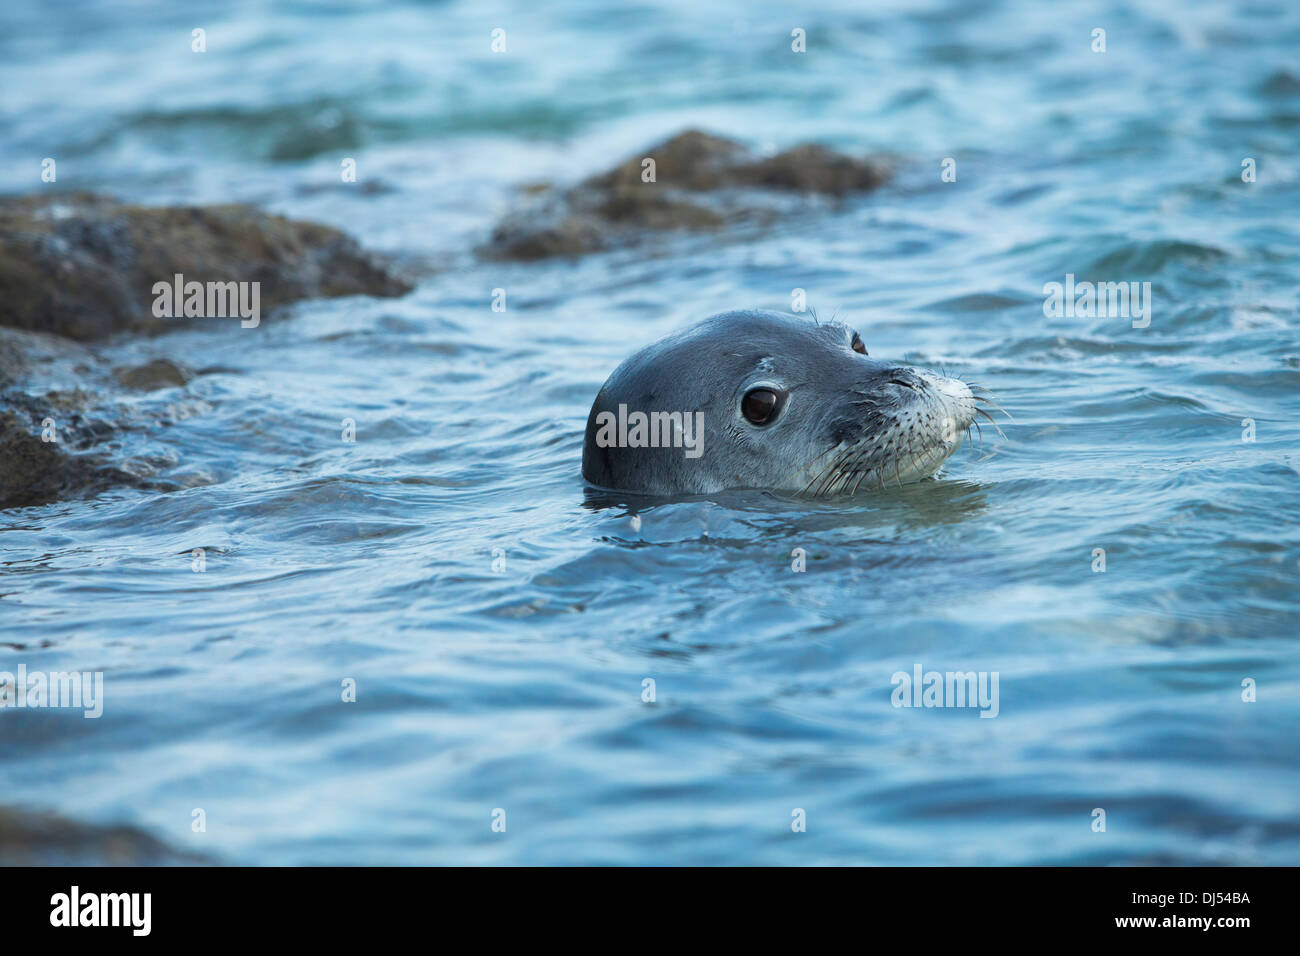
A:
815	477
911	460
855	463
830	466
836	472
989	418
861	475
988	401
813	480
844	484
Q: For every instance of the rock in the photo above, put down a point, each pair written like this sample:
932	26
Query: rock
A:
84	266
53	360
159	373
546	231
29	838
701	182
814	169
35	472
14	362
690	160
1280	83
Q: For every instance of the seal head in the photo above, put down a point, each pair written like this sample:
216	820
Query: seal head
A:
768	400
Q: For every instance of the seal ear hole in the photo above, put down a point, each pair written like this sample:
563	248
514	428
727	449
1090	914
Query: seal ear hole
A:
857	344
760	406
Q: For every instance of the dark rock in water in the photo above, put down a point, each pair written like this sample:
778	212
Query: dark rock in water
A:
701	182
548	230
14	362
54	360
690	160
29	838
81	266
160	373
699	161
365	187
1281	83
814	169
34	471
84	266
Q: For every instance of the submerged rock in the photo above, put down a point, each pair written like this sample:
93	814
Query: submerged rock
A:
700	161
29	838
700	182
54	388
159	373
34	470
36	355
84	266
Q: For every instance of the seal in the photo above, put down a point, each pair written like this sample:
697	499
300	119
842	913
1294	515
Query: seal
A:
768	400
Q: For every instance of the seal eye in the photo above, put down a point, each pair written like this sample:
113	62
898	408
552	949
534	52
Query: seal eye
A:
857	345
759	406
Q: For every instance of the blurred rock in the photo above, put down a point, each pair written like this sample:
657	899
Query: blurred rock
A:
159	373
30	838
84	266
34	471
701	182
51	358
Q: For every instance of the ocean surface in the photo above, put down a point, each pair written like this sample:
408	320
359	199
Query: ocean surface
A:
500	621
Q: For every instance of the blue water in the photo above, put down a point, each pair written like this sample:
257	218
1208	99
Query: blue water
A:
519	686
